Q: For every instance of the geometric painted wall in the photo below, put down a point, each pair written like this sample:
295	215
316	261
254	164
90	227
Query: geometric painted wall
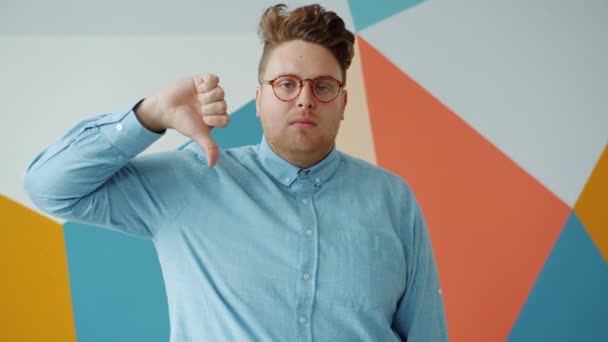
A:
35	298
495	115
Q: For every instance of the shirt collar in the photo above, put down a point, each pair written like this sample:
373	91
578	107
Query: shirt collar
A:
286	173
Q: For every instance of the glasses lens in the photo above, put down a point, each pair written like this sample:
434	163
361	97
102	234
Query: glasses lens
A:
326	88
286	87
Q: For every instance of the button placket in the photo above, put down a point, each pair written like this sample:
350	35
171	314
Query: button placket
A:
305	287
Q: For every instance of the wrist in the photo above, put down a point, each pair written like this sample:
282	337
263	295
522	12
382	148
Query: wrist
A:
149	116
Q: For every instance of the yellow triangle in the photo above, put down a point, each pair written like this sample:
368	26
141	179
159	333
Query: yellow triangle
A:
592	205
35	291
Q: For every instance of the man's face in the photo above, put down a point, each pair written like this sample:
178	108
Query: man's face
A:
304	125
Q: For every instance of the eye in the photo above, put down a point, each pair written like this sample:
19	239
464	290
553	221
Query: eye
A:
326	85
286	83
323	87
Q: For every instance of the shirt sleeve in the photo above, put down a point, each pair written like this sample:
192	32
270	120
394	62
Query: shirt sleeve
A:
91	176
420	315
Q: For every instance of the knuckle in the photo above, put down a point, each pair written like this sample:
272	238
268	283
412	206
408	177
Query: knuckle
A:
222	106
204	109
211	80
202	98
223	121
204	88
220	92
208	120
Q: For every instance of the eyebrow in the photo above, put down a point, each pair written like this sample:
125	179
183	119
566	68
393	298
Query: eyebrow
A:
304	78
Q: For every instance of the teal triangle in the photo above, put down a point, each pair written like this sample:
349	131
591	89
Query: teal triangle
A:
366	13
244	128
569	301
116	285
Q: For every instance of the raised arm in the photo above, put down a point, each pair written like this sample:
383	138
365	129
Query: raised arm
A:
92	174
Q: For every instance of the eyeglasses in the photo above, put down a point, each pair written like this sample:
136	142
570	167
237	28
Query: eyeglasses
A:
288	87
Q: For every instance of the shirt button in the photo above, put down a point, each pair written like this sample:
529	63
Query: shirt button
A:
309	232
286	180
318	180
302	320
305	201
306	276
119	127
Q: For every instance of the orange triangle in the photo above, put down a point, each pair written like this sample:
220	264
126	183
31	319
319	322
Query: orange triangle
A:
491	223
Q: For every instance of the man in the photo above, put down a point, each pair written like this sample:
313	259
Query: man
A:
288	240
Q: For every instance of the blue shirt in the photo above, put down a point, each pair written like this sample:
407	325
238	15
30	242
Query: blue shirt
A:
254	249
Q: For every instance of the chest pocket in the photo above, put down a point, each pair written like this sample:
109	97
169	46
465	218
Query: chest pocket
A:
361	269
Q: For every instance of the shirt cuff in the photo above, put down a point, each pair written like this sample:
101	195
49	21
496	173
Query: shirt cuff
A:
126	133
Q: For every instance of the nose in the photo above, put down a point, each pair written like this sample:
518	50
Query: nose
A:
306	98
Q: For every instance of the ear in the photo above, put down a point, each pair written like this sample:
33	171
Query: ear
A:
344	101
257	101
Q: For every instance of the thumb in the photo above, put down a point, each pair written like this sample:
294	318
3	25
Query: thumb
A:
205	140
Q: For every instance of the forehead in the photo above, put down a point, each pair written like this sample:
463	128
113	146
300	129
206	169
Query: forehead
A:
304	59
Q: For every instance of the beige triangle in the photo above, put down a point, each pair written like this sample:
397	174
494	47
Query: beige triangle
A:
355	136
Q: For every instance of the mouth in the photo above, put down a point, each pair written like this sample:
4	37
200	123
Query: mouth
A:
303	123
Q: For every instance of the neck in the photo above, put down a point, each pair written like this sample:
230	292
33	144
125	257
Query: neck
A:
302	159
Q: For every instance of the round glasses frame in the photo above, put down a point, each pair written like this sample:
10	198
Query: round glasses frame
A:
312	81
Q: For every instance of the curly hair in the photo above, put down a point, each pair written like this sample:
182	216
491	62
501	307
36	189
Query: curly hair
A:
310	23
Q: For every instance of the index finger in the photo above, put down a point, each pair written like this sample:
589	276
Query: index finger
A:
206	82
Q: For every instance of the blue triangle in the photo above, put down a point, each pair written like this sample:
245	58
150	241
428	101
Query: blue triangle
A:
569	301
116	285
244	128
366	13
